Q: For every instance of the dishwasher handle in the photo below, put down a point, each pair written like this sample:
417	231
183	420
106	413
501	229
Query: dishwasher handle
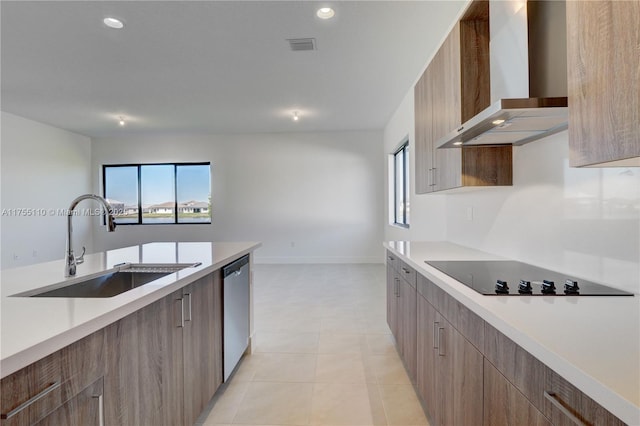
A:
235	268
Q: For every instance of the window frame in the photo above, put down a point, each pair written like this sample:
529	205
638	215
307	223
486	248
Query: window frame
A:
403	150
175	190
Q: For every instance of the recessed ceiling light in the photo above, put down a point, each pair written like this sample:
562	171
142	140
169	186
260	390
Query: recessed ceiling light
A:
325	13
457	143
497	122
113	23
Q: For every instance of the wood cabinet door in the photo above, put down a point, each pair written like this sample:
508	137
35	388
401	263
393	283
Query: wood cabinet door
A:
423	115
426	363
407	312
603	81
446	89
463	364
392	301
143	377
505	405
202	344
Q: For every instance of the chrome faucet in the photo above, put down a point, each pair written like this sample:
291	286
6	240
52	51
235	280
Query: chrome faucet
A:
71	259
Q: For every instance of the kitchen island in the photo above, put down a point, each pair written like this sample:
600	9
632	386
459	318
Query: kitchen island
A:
590	342
132	343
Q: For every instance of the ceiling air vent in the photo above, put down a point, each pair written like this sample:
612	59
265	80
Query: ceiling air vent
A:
300	44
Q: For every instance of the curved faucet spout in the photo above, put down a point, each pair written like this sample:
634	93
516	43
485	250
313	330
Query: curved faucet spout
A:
70	259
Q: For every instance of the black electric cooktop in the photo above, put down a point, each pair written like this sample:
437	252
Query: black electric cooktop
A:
511	278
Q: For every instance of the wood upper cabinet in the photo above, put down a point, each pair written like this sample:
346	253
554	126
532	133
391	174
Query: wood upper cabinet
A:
454	88
450	369
603	82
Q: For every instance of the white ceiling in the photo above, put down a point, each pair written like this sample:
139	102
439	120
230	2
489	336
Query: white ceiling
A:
214	66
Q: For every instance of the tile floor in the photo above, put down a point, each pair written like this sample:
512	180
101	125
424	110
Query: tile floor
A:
324	354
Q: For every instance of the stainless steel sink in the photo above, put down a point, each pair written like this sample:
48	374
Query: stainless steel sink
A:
122	278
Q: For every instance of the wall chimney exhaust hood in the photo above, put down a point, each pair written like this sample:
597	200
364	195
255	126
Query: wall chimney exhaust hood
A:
528	74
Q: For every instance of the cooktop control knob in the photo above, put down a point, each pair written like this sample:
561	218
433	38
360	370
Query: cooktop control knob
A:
571	287
502	287
548	287
525	287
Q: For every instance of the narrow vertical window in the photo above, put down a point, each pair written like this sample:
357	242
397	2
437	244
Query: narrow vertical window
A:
121	190
401	185
158	193
193	193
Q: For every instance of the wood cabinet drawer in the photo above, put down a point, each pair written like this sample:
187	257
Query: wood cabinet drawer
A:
84	409
407	273
521	368
30	394
392	260
470	325
564	403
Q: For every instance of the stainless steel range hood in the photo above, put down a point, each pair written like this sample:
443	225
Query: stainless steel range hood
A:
511	121
528	77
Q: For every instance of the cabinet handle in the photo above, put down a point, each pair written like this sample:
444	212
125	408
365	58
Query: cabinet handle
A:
405	270
100	399
397	287
189	306
551	396
181	300
436	339
53	386
441	341
391	258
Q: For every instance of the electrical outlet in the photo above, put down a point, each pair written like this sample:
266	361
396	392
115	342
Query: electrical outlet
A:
470	214
15	257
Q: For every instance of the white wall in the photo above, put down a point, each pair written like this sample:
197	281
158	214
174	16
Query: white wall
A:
584	221
43	168
312	197
427	213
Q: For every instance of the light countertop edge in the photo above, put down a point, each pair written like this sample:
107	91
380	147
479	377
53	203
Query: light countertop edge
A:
413	253
42	348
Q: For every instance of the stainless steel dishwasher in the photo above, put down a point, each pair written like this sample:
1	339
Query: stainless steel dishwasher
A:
236	312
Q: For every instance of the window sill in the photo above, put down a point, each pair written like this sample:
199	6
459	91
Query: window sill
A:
399	225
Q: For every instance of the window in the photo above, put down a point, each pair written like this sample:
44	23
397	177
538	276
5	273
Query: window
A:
159	193
401	185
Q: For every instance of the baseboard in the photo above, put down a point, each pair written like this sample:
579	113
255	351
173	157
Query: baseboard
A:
314	259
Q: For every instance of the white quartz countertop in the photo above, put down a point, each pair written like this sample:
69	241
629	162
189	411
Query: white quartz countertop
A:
593	342
34	327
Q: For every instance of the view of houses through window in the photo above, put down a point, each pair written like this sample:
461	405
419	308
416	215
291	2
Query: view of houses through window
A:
159	193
